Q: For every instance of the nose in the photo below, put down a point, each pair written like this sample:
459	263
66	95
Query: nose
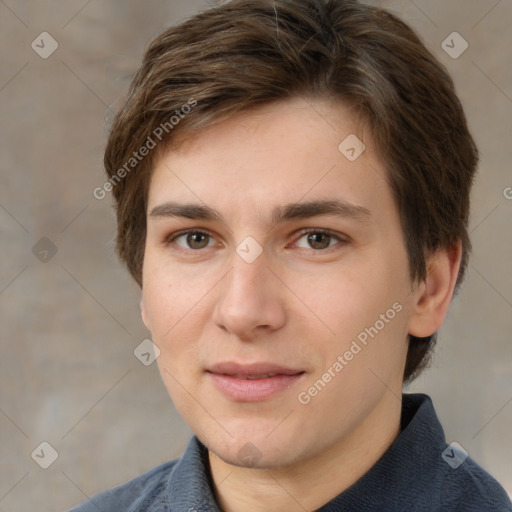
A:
250	300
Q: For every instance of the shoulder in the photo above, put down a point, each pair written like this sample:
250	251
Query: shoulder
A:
469	488
142	494
433	474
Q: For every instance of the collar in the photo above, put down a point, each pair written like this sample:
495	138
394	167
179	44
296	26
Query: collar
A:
406	469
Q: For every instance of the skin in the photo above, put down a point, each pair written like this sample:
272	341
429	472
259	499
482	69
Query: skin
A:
295	305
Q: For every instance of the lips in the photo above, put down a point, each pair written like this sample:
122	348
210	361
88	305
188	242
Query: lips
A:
252	382
252	370
256	377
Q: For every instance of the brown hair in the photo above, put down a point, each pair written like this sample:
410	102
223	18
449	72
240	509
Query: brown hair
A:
244	54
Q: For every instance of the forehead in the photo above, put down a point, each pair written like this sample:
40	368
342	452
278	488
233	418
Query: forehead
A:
277	154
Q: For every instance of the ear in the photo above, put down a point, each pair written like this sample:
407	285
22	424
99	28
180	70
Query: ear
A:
144	313
434	294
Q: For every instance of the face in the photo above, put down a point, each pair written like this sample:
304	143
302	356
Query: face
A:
276	283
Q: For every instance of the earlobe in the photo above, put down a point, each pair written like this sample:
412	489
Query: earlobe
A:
435	294
144	313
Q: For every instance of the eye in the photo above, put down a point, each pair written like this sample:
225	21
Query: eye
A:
194	240
318	240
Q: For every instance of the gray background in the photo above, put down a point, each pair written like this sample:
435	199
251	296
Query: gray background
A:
68	375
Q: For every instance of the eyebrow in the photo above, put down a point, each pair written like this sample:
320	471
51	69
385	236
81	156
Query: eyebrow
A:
299	210
188	211
313	208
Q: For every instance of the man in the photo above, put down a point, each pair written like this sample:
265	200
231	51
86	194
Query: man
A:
292	187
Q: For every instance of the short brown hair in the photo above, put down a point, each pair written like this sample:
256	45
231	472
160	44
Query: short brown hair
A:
244	54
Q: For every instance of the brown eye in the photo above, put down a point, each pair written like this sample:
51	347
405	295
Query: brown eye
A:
319	240
197	240
194	240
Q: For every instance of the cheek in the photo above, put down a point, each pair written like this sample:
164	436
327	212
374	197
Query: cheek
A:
365	309
171	297
368	349
175	313
177	306
349	299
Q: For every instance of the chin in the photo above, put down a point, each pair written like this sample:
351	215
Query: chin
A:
248	455
252	451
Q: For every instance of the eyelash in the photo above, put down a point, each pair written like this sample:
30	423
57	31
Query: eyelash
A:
342	239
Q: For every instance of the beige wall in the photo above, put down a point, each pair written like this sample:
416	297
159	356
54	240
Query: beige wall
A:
68	375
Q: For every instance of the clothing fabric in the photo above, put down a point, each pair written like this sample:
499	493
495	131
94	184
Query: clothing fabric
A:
418	473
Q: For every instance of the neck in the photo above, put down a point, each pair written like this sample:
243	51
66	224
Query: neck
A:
309	484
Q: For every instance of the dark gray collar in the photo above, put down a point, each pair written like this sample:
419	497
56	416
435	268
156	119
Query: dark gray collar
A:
403	473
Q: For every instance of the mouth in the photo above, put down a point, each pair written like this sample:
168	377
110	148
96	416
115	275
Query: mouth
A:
253	382
256	377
